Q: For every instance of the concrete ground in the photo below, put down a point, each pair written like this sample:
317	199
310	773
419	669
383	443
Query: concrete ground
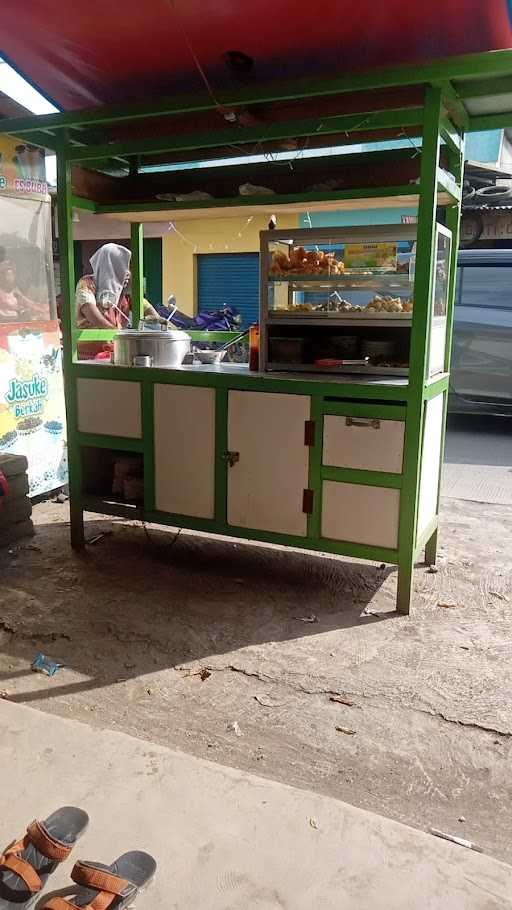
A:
224	839
478	459
332	691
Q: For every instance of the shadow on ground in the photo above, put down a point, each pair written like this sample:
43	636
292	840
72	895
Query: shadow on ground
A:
168	601
203	647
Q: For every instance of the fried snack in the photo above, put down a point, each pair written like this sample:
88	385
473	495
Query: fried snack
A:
280	263
297	258
385	305
306	262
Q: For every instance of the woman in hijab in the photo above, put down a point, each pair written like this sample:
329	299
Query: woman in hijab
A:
101	301
101	298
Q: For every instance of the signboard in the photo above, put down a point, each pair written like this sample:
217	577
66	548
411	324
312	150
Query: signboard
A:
370	256
32	402
22	168
485	225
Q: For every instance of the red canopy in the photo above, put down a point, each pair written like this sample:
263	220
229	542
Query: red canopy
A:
89	52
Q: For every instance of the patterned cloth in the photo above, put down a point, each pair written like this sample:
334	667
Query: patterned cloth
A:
86	293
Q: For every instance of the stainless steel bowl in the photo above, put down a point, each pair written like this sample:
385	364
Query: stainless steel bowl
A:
166	347
209	356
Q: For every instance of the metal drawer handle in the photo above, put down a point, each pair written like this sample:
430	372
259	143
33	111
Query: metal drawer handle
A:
371	422
231	458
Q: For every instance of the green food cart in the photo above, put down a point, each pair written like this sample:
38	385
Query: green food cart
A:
314	450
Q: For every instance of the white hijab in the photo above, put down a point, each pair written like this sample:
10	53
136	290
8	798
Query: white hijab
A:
109	266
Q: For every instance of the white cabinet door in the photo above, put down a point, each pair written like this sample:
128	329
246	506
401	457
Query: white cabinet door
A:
267	481
109	407
184	422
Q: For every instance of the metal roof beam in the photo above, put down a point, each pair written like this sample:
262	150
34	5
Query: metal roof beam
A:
319	126
38	137
446	182
453	104
490	122
470	66
485	87
450	134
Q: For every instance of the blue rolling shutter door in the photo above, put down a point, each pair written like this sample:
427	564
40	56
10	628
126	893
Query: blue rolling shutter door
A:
232	279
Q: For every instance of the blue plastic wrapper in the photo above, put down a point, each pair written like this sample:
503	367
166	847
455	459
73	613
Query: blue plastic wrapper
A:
44	664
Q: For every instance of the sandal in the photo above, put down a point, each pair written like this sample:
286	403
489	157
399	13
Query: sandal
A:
108	887
26	864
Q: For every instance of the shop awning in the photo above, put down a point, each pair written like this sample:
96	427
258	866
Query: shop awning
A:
90	52
170	81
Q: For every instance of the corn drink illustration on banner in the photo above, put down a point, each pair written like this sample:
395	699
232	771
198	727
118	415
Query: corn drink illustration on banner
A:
32	416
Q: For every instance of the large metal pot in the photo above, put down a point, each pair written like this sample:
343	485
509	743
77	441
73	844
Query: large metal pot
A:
166	347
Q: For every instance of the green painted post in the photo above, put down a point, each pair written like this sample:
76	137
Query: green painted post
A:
456	166
315	468
221	447
148	446
67	276
137	269
419	346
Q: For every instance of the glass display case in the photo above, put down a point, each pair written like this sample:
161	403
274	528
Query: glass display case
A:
338	299
437	335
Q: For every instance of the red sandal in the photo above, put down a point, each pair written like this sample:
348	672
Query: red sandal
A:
111	887
26	864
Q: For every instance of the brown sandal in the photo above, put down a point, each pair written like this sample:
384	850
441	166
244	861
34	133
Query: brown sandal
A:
111	887
26	864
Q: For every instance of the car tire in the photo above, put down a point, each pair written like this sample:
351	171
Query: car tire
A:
494	194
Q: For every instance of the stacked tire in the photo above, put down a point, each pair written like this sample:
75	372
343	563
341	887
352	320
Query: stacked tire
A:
15	506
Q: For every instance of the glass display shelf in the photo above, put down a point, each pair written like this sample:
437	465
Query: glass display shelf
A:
369	370
341	299
337	293
372	280
296	314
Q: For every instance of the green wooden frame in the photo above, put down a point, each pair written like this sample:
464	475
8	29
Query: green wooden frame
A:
448	87
461	79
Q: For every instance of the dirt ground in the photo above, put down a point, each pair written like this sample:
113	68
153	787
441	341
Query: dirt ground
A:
410	717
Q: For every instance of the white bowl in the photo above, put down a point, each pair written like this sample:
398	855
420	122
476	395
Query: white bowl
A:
210	356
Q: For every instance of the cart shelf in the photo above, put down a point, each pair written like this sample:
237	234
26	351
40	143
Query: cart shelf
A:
319	318
361	371
361	280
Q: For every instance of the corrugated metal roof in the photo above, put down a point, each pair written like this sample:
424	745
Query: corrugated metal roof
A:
486	208
480	169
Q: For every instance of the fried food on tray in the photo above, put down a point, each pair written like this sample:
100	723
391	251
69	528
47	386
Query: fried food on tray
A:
305	262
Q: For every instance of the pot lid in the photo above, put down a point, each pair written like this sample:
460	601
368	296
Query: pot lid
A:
167	335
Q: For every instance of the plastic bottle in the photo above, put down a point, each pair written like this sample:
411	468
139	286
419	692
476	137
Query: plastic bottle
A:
254	347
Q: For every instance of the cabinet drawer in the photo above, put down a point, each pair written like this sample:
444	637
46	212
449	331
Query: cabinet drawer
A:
109	407
360	514
364	443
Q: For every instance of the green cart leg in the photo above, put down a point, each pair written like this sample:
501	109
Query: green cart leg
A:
404	588
431	550
77	527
